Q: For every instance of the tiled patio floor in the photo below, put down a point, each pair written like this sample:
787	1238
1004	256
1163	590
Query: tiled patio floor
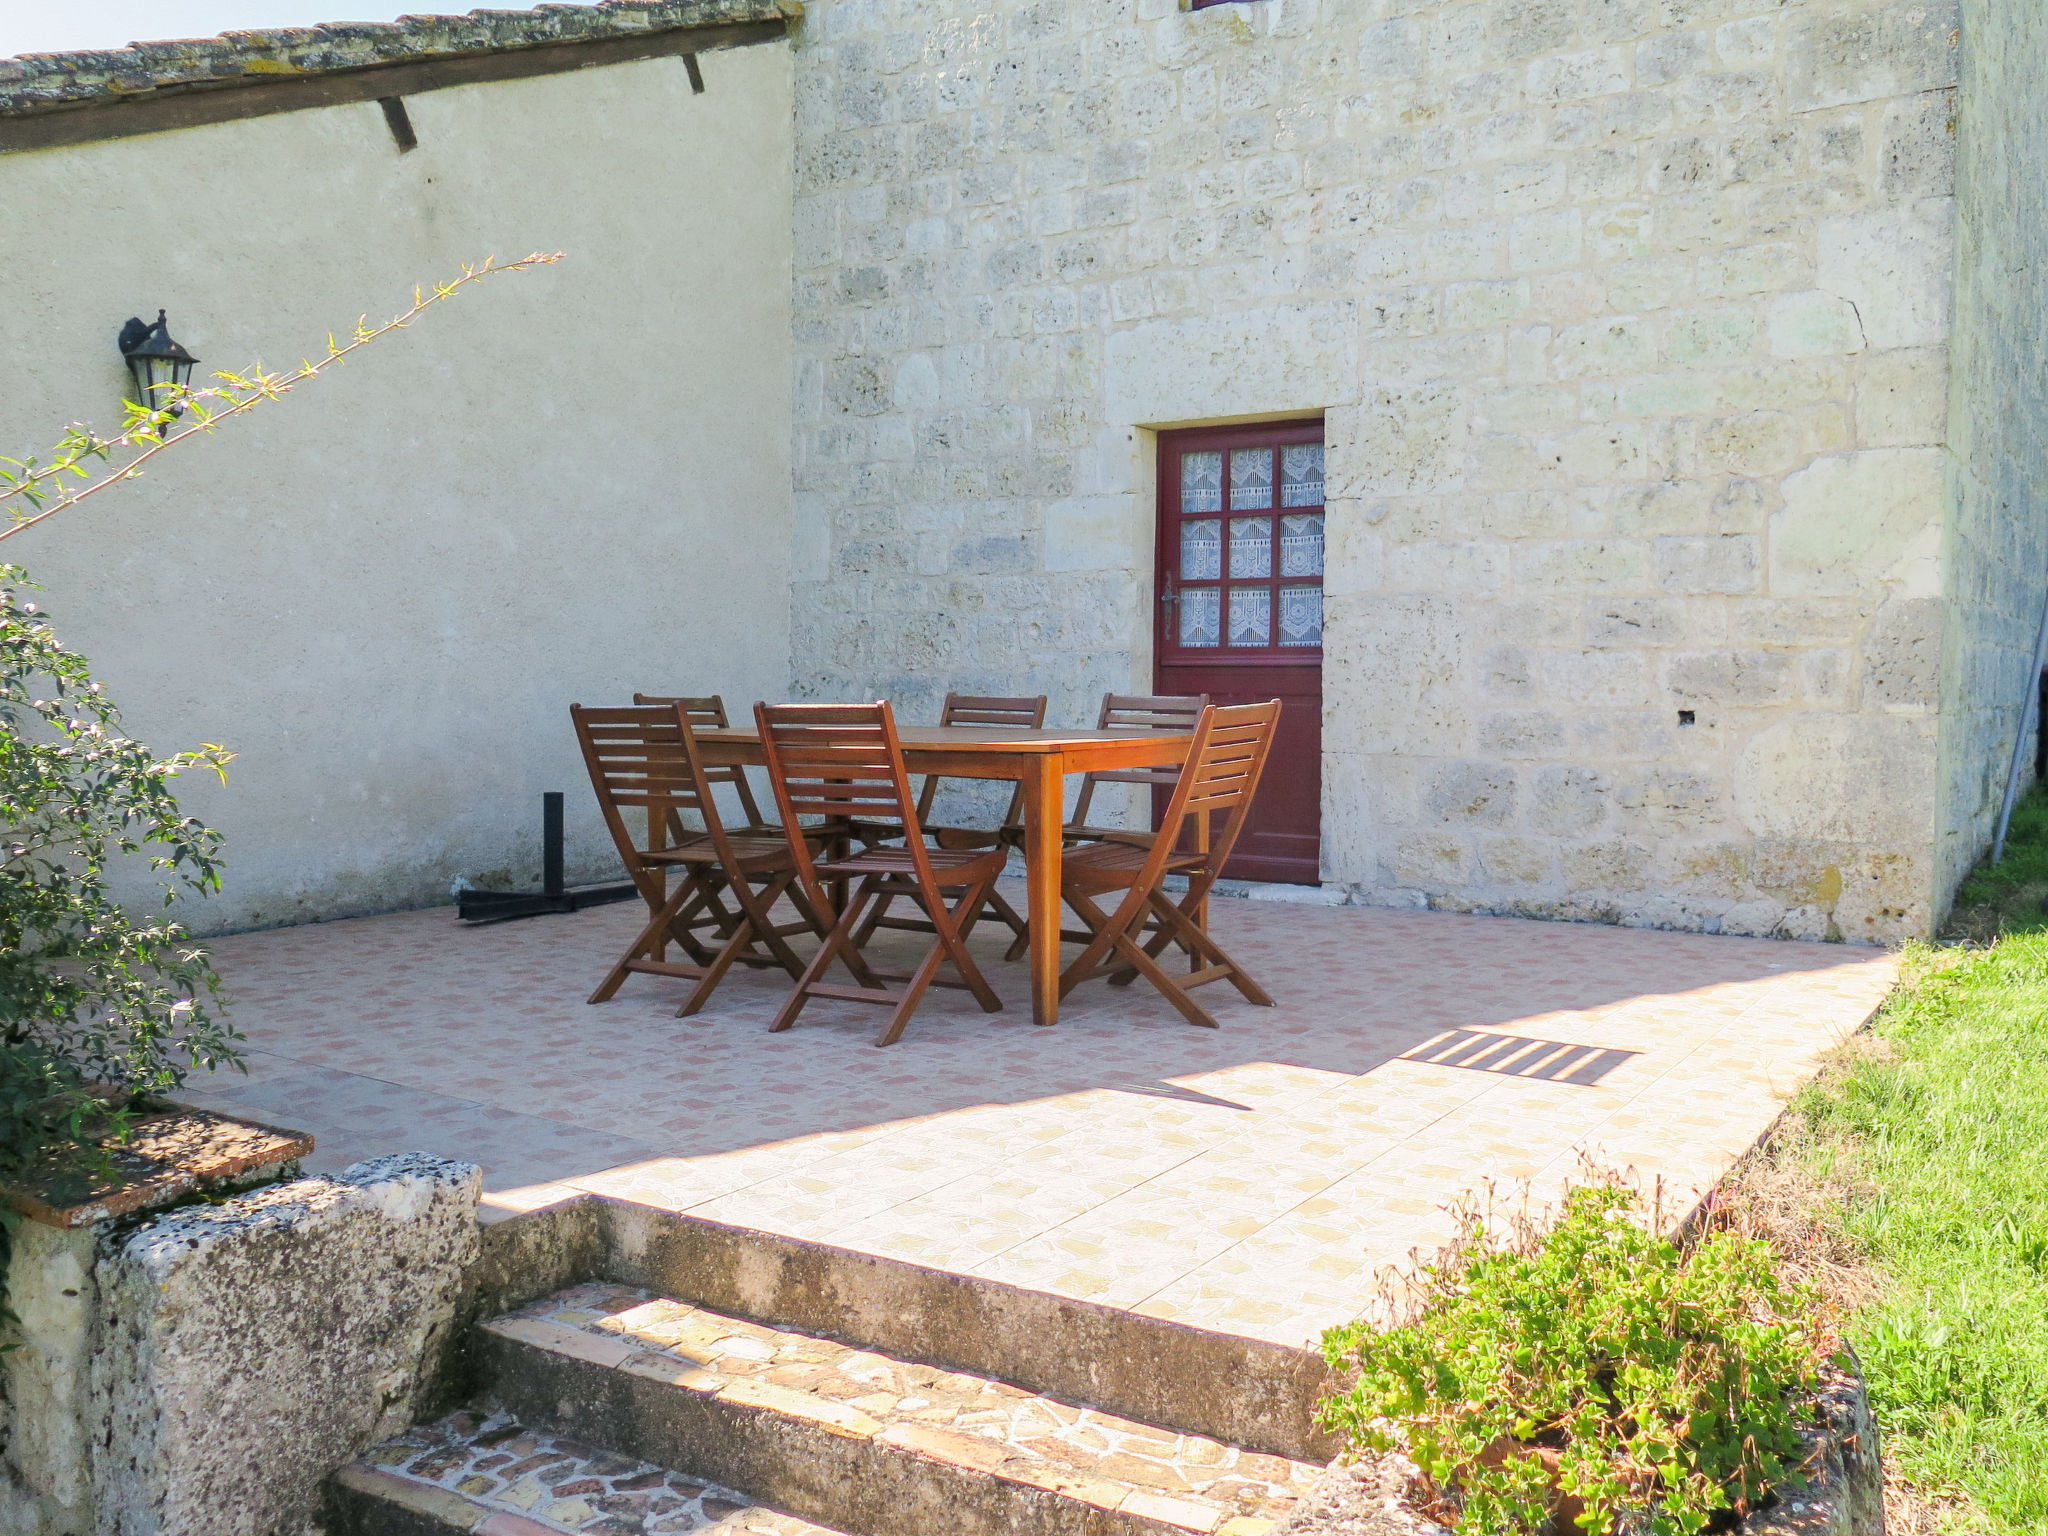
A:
1250	1179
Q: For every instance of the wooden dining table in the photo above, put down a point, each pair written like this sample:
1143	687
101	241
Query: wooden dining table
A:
1038	759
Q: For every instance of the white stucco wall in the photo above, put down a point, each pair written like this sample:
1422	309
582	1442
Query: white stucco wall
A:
1628	320
384	591
1998	543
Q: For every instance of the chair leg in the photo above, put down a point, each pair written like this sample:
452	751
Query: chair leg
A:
1011	919
1103	930
1200	946
913	991
650	941
876	913
682	927
1161	978
714	973
963	919
815	971
759	907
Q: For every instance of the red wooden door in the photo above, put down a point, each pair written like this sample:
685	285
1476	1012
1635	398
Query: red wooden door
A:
1240	583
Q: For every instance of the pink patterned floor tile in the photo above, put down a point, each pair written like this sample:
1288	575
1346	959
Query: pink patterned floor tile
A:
1255	1178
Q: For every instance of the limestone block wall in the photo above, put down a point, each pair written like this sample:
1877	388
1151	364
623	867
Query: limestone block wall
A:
1628	321
1998	421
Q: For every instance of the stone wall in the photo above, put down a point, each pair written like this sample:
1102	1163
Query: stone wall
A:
1997	550
1627	319
201	1372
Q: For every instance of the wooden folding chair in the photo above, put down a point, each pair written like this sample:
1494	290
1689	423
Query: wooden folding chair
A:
707	713
1145	712
966	709
844	762
1219	777
646	758
1120	711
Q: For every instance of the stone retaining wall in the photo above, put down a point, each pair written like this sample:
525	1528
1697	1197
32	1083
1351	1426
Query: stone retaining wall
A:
200	1373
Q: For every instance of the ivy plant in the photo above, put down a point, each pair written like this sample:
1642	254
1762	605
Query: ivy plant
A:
1590	1373
98	1005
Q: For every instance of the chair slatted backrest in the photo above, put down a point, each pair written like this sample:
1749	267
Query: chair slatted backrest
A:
972	709
644	757
841	762
982	709
1141	712
1220	776
707	713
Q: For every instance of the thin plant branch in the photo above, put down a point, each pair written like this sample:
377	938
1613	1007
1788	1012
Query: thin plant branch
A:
40	483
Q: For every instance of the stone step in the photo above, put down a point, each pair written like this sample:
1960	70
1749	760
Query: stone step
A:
868	1442
496	1477
1248	1391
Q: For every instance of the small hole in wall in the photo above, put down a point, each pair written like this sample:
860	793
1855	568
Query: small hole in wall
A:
1685	717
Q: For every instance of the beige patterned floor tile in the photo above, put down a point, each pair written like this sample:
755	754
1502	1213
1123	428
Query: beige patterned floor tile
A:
1255	1178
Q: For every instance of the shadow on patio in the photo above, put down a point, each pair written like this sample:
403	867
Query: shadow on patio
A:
1250	1179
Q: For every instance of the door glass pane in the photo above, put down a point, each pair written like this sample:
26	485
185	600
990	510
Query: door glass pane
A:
1201	549
1251	546
1301	475
1251	478
1251	615
1198	616
1301	544
1201	482
1301	616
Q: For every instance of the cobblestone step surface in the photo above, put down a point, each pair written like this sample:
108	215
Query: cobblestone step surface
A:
497	1477
868	1442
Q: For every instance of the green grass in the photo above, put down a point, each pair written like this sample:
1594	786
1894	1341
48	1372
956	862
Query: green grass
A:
2007	899
1945	1129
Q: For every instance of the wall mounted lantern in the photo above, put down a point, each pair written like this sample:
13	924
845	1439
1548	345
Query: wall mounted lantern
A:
158	363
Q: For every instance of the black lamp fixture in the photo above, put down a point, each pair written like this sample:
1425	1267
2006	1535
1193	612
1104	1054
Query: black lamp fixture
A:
161	367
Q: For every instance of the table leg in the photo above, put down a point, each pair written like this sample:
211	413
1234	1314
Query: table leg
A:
1044	818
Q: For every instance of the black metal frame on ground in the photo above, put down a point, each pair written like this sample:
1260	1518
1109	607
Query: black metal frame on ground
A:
553	896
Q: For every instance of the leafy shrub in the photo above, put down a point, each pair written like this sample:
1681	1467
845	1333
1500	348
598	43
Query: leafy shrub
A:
1584	1371
97	1007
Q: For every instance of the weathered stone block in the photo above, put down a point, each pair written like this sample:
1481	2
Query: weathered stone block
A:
1670	799
1645	621
1727	563
1920	145
265	1341
1732	677
1580	563
1814	324
1522	733
1754	443
1865	780
1902	397
1505	859
1597	678
1854	519
1568	802
1411	440
1613	865
1841	53
1292	357
1475	794
1895	264
1431	861
1902	655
